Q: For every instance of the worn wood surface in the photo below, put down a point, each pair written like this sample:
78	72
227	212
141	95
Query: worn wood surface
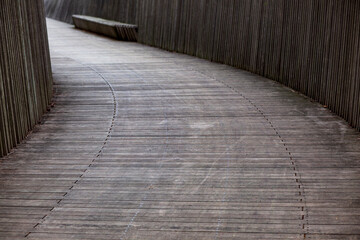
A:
25	71
147	144
312	46
119	10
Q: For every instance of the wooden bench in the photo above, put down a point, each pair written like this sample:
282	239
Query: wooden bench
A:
113	29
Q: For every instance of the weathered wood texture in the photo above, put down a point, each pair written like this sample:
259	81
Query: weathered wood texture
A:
119	10
310	45
148	144
25	71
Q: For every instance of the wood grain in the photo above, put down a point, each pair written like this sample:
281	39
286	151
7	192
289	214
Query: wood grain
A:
312	46
147	144
25	71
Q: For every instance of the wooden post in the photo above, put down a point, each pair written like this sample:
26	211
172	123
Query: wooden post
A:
25	70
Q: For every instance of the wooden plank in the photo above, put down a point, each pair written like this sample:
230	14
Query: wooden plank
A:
311	46
147	144
25	71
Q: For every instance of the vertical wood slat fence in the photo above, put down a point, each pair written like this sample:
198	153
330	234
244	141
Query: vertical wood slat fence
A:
309	45
25	70
312	46
119	10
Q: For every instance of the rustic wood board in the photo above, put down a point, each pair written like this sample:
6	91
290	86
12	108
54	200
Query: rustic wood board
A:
25	70
147	144
311	46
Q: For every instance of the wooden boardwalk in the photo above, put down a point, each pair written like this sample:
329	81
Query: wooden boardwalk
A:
148	144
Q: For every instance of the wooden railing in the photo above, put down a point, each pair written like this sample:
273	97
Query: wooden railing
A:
312	46
25	71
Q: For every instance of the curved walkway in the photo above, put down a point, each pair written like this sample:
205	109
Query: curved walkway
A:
147	144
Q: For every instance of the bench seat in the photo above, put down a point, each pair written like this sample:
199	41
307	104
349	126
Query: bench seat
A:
113	29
